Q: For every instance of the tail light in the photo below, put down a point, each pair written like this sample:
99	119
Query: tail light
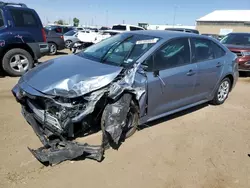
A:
61	37
44	35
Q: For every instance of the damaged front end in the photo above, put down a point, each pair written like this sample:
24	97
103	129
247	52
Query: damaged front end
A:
57	119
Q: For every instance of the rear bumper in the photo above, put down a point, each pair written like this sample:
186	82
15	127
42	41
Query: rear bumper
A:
39	49
61	45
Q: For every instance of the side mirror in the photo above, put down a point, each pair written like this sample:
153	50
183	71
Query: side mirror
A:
144	67
156	73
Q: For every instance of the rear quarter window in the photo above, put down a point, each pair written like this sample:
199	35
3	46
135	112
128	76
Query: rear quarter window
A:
1	19
23	18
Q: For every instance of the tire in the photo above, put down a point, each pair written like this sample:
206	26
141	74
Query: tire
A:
132	120
222	92
68	44
52	48
17	61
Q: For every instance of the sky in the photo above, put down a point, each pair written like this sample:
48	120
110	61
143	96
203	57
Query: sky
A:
109	12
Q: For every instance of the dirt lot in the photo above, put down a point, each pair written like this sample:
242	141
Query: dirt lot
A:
205	147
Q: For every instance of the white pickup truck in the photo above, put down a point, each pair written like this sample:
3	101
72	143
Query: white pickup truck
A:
88	37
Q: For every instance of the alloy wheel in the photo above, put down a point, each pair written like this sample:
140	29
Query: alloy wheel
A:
223	90
19	63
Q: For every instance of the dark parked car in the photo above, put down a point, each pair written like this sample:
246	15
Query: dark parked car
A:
218	37
22	38
183	30
239	43
59	29
55	41
119	83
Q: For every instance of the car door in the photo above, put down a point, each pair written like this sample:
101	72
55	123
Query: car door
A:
209	58
172	80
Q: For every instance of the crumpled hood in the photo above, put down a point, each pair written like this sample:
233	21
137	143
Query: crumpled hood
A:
70	76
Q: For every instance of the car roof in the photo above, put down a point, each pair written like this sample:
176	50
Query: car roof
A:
181	29
165	34
239	33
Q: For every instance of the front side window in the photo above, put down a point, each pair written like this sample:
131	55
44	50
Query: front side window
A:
203	50
237	39
1	19
120	50
174	53
23	18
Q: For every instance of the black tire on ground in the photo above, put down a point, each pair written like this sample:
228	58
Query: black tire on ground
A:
7	60
52	48
216	100
132	120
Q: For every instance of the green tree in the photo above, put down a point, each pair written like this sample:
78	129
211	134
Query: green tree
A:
76	22
60	22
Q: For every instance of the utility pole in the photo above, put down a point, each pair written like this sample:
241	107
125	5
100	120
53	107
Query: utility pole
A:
107	18
175	9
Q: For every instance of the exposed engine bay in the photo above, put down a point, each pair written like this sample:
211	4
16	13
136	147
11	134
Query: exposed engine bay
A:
60	117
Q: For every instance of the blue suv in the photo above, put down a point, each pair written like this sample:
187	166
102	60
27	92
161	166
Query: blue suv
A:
22	38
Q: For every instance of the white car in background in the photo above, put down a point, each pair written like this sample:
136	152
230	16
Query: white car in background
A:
126	27
70	37
89	37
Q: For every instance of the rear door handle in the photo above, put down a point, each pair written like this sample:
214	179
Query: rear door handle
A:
190	73
218	64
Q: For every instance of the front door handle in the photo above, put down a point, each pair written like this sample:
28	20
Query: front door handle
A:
190	73
218	64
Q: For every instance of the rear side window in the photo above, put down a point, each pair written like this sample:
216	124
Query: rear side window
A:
119	27
1	19
23	18
205	50
134	28
173	54
218	51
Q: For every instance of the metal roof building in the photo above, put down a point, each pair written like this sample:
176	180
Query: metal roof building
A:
223	22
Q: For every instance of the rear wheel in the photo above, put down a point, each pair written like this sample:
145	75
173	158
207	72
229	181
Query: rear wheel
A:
52	48
222	92
68	44
17	61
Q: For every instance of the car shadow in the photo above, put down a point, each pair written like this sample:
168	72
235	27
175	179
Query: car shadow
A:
173	116
2	74
62	53
244	74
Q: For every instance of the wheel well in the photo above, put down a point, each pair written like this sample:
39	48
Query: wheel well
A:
231	78
53	43
22	46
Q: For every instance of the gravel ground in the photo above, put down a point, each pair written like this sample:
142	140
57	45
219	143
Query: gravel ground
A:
204	147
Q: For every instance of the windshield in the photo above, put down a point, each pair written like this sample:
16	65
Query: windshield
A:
238	39
70	33
120	50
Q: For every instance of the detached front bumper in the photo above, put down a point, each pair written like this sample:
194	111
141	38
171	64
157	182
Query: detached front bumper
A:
58	150
56	147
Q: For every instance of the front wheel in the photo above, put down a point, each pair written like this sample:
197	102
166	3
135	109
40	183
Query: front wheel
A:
131	122
222	92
